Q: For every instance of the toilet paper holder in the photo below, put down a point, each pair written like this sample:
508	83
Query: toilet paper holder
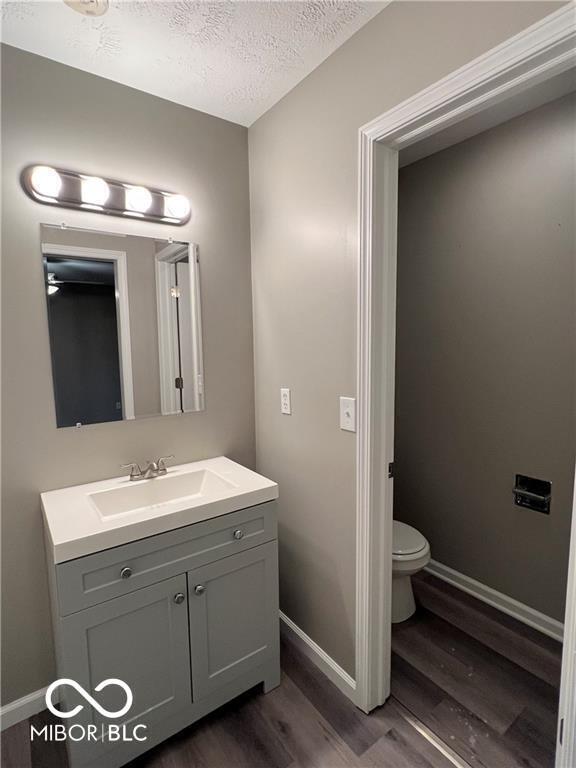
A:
532	493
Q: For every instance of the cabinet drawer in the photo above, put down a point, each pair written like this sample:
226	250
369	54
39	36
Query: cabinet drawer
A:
95	578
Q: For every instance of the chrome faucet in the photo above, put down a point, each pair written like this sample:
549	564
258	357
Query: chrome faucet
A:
153	469
135	471
161	464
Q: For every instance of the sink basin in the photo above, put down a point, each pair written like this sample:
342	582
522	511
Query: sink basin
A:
92	517
160	490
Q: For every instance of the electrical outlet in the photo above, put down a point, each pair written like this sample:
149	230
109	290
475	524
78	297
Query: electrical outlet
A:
285	404
348	414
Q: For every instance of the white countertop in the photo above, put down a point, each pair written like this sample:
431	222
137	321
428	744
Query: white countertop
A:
76	528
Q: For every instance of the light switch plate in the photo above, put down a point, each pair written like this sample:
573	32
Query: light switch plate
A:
285	404
348	414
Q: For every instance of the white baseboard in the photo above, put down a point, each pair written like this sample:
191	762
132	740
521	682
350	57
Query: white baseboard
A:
514	608
19	710
35	702
319	657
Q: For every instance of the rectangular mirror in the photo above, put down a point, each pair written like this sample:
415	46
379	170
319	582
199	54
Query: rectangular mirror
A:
124	318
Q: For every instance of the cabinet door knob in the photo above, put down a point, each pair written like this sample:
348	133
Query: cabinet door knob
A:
179	597
126	572
199	589
238	534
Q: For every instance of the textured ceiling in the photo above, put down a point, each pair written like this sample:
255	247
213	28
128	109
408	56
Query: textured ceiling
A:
231	59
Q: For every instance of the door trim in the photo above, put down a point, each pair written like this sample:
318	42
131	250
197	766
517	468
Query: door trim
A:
167	332
566	737
543	50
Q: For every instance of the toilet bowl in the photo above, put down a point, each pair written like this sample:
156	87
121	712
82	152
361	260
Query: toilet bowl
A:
410	553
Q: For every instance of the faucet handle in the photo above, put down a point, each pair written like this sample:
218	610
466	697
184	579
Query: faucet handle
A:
162	464
135	471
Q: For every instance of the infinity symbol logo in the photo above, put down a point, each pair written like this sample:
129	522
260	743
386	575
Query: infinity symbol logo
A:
73	684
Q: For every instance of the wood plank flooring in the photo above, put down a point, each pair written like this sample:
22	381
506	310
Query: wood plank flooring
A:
484	683
465	678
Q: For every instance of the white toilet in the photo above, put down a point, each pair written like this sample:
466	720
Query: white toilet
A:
410	553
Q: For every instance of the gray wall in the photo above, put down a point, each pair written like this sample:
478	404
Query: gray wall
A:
62	116
303	173
485	378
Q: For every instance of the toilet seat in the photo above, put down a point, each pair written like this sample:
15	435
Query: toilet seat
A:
406	541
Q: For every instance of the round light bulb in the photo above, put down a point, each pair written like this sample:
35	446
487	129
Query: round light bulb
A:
46	181
176	206
95	191
138	199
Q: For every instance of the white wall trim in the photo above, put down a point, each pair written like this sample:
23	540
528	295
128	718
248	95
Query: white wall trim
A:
545	624
196	322
19	710
122	306
167	338
319	657
566	736
539	52
545	49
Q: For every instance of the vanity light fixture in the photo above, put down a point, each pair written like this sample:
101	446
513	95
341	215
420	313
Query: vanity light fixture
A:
95	191
176	206
45	181
68	189
138	199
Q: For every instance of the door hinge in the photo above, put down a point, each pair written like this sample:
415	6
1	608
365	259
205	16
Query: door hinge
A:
391	469
179	382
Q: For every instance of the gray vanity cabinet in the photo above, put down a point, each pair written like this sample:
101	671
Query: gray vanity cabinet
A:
230	605
188	619
142	639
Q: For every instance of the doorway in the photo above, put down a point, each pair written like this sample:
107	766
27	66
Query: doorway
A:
81	296
484	408
503	79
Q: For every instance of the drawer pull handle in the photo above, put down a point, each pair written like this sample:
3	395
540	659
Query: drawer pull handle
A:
239	534
199	589
179	597
126	572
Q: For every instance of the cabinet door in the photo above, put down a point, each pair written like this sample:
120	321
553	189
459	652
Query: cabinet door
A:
140	638
233	617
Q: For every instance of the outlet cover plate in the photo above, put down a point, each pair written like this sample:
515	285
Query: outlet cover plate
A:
285	401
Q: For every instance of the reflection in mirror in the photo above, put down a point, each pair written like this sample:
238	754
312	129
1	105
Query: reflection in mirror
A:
124	319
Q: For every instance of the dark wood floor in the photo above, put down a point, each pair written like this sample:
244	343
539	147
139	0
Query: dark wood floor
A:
484	683
470	686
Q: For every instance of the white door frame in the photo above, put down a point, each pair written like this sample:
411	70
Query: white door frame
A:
566	738
168	338
545	49
122	308
196	323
